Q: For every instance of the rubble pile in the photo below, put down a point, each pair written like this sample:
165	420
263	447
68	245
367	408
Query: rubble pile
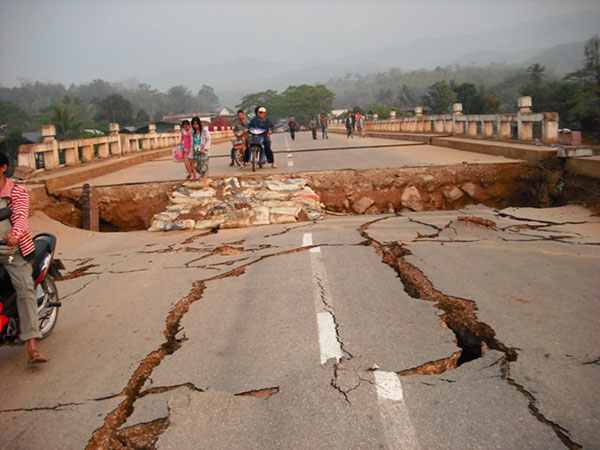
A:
231	203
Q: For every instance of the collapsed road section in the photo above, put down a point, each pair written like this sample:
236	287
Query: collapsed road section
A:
128	207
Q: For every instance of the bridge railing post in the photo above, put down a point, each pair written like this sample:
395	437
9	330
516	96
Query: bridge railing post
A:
457	122
524	125
550	128
51	159
114	142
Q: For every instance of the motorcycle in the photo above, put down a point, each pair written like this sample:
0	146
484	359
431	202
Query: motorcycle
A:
45	270
238	146
256	146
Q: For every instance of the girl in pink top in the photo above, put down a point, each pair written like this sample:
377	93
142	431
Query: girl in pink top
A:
186	144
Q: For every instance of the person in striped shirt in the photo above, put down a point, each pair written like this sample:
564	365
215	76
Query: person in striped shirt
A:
19	267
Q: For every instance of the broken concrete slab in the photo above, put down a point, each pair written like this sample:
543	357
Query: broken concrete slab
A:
69	426
371	313
465	394
306	412
258	349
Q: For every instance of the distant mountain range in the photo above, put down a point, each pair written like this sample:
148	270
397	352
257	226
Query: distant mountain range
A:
555	42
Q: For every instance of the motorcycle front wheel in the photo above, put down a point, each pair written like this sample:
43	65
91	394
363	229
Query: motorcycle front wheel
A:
255	156
48	315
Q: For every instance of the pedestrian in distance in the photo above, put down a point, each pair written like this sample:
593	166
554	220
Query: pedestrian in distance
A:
18	264
200	148
349	125
323	121
186	145
292	124
360	124
313	126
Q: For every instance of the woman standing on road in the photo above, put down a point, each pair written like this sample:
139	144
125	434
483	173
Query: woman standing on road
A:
200	148
186	145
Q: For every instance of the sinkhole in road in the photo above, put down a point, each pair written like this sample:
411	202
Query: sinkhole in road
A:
130	207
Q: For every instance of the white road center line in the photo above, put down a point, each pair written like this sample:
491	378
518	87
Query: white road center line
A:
307	239
398	429
290	163
388	386
328	343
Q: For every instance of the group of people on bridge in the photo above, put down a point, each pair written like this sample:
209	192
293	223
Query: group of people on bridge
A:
196	142
355	121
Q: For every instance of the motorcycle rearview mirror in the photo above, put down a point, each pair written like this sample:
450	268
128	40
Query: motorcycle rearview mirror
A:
5	213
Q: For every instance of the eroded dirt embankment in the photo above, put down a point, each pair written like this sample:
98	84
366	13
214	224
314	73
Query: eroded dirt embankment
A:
371	191
125	207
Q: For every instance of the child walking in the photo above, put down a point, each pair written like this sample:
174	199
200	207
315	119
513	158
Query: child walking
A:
186	144
200	148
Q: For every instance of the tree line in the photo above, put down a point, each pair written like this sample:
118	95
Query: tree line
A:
301	102
482	90
94	105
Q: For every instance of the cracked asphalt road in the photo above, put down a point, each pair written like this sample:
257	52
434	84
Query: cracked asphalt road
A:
295	336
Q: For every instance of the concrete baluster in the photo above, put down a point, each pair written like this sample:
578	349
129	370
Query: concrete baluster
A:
550	128
439	125
427	125
457	125
472	128
152	136
448	125
488	129
87	153
124	138
504	128
72	154
103	149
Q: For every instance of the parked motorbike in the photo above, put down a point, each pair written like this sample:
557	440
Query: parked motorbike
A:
45	270
238	146
256	146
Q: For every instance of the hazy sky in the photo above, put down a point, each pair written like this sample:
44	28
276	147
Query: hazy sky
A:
78	40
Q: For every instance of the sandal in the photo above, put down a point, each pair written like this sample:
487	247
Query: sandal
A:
36	357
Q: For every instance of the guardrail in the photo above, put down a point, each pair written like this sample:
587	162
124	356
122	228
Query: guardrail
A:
522	126
53	154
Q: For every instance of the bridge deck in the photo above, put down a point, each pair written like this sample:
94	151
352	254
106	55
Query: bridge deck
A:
307	154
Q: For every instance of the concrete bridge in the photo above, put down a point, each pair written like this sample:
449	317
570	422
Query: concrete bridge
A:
447	297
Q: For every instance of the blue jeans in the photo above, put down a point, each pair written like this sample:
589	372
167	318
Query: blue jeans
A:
324	131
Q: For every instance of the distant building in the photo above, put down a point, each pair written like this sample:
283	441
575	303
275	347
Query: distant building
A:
338	112
162	126
225	112
176	119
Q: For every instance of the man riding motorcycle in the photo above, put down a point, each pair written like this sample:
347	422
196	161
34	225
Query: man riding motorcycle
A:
239	129
18	265
262	121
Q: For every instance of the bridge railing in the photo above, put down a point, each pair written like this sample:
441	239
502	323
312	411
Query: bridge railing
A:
52	154
522	126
